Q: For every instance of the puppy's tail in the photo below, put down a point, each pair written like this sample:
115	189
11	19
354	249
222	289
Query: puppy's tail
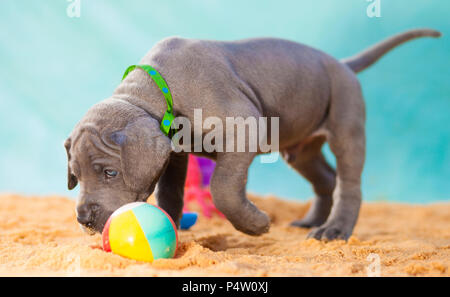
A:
366	58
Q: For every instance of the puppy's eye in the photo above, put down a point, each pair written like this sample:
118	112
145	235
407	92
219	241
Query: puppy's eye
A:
110	173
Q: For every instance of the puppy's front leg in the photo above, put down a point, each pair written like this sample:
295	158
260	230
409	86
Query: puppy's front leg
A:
228	192
170	188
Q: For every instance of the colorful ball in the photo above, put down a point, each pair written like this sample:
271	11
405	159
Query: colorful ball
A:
140	231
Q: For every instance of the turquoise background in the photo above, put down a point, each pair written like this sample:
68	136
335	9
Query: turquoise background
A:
53	68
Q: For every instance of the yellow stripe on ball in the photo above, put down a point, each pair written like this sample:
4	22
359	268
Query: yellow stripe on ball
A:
127	238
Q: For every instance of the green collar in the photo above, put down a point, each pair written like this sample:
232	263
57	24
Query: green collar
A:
162	85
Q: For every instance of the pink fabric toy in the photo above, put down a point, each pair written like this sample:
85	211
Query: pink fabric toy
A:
196	189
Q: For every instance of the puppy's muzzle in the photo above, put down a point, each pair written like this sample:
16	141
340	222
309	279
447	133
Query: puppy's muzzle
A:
86	216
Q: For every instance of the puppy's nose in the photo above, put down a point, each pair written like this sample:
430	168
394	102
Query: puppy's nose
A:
86	214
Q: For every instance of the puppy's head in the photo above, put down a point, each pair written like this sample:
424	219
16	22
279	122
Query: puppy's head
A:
116	153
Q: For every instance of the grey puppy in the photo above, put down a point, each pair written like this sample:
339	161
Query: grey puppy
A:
118	153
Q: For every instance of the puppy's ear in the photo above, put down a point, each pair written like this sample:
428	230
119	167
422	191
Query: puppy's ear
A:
72	180
144	150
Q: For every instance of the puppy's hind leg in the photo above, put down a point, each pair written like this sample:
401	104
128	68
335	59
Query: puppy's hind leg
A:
347	142
309	161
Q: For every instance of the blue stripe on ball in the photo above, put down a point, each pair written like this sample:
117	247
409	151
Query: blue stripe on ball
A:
158	230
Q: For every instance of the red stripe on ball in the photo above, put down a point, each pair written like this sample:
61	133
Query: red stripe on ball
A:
105	236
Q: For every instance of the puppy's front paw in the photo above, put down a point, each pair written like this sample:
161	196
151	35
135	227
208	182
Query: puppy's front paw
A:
257	225
330	232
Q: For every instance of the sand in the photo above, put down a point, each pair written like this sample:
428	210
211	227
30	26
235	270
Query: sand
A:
40	237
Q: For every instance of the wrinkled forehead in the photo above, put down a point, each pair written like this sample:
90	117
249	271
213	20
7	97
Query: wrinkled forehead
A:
89	145
84	145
